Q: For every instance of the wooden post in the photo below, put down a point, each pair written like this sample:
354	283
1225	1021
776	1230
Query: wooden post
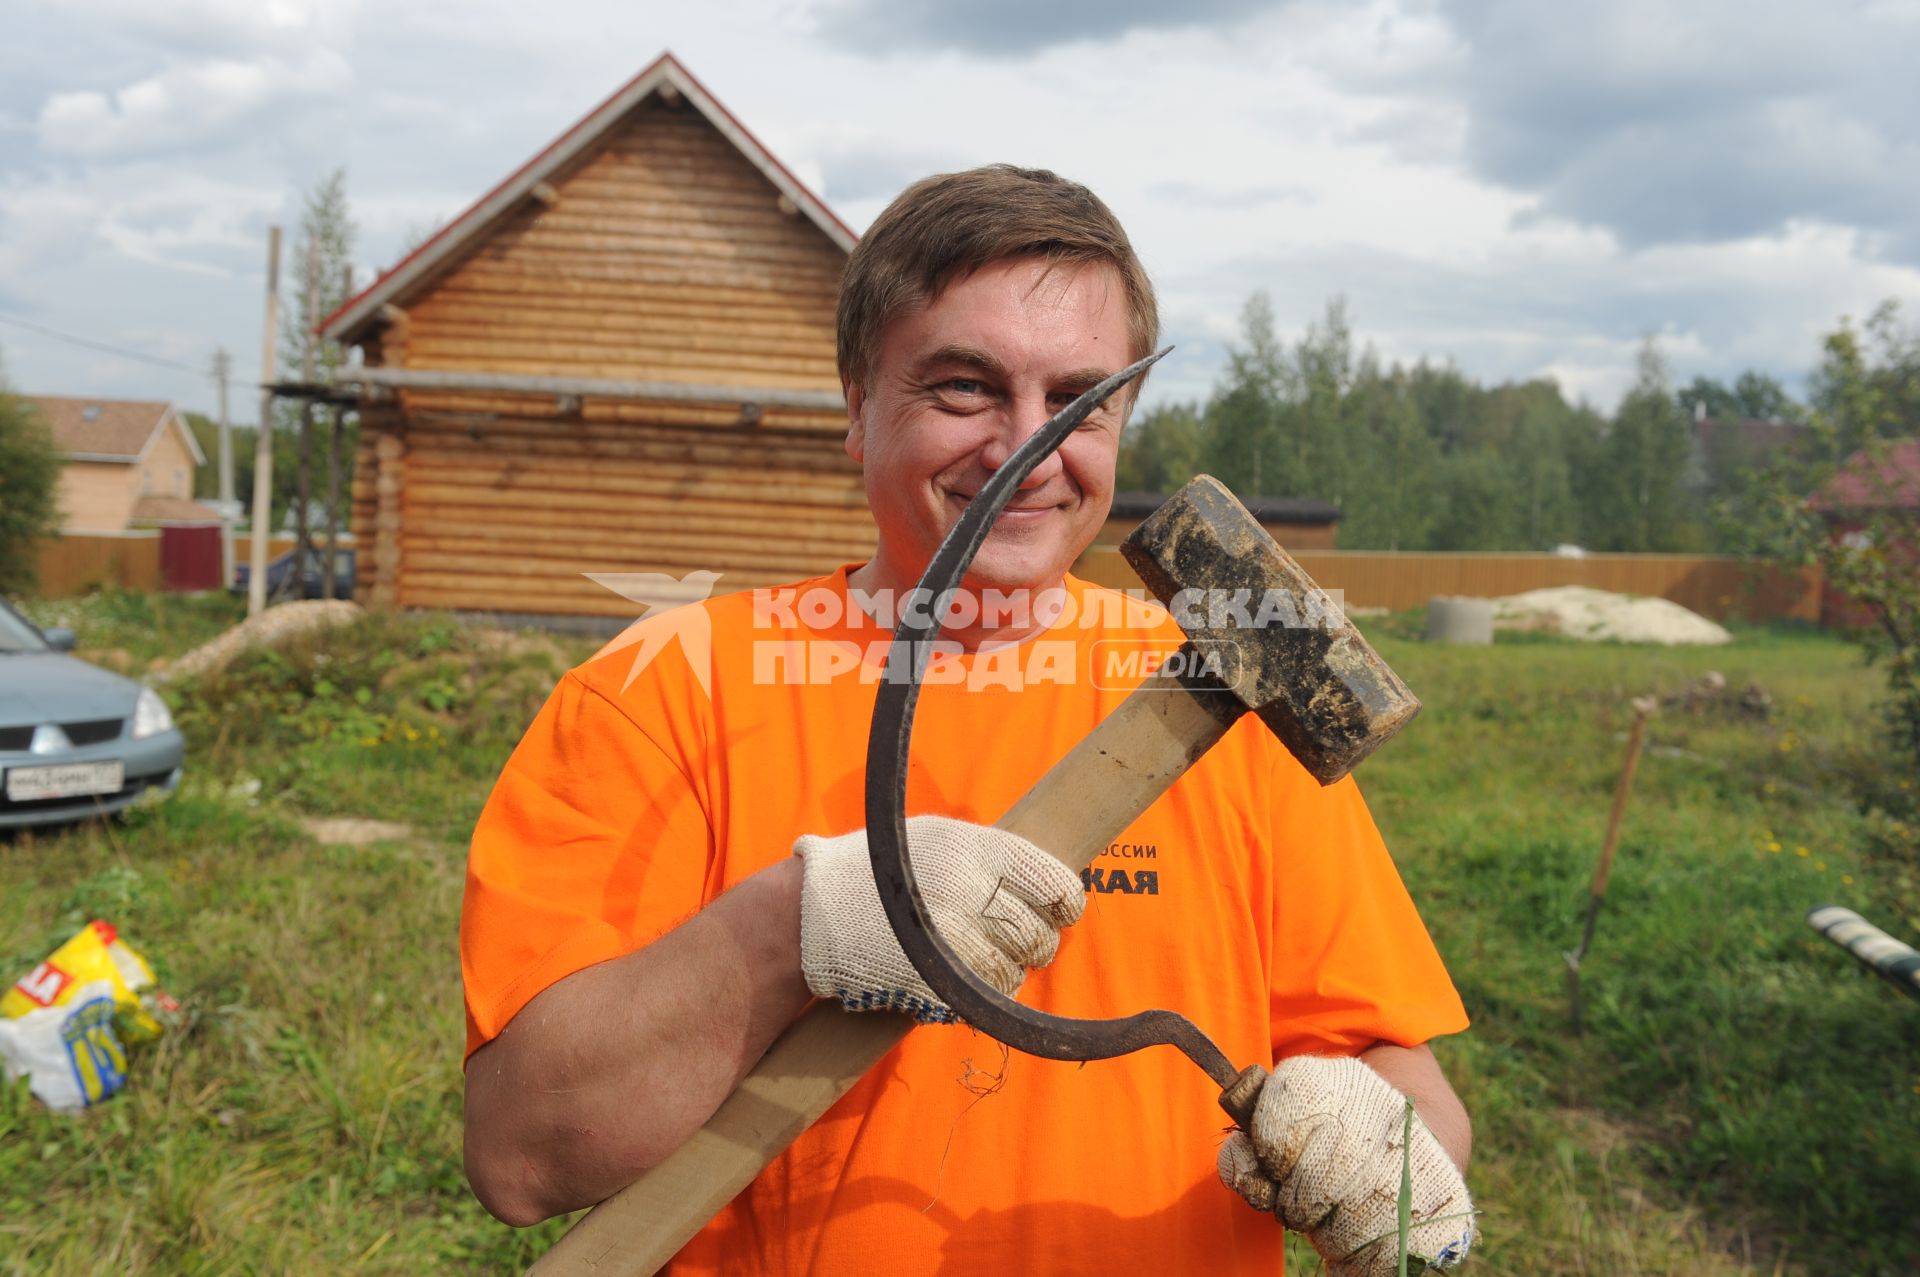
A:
333	501
302	519
222	370
391	469
334	426
1643	707
263	446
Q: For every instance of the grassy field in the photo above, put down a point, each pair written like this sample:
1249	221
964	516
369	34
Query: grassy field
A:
1744	1099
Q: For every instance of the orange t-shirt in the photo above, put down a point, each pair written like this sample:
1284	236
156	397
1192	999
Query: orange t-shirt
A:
1260	905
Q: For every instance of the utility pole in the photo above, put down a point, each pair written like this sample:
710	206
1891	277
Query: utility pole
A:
303	523
223	369
263	446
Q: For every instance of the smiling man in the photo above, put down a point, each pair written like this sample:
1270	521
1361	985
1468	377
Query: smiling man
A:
957	385
671	866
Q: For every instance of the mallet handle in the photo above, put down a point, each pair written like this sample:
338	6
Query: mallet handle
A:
1085	801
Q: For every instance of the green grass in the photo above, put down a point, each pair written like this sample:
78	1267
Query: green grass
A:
1742	1088
131	631
1744	1099
307	1118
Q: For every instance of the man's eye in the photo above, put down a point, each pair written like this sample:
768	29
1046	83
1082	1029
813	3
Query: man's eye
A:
966	386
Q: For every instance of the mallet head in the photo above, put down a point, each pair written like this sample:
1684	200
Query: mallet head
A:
1307	672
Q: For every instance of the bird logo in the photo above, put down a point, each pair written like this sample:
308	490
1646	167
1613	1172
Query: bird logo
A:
666	614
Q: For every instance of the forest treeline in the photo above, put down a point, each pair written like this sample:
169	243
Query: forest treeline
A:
1427	458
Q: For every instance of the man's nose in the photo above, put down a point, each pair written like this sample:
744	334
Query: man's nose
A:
1023	417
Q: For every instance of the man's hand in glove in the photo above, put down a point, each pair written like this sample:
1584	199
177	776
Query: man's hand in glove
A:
997	900
1325	1156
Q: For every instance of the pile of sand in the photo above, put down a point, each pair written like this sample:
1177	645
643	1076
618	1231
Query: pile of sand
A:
274	626
1577	612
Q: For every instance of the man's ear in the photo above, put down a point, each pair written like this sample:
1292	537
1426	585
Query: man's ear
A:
856	443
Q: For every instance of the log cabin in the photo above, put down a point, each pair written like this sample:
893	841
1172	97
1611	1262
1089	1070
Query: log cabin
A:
619	360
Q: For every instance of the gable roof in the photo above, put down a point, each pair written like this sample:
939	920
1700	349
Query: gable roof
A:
456	237
1749	437
1882	478
123	430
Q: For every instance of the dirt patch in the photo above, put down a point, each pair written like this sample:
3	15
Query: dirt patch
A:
517	642
354	831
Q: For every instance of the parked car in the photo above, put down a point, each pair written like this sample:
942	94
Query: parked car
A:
75	740
280	568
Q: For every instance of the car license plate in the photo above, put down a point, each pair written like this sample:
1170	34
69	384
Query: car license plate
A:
64	780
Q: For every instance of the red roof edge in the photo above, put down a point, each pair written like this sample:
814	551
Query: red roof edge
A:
666	58
773	159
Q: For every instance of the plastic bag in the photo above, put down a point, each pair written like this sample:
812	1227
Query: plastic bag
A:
67	1023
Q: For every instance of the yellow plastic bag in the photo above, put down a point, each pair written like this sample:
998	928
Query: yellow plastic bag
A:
66	1023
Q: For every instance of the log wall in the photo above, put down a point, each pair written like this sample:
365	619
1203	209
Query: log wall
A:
665	257
506	513
660	255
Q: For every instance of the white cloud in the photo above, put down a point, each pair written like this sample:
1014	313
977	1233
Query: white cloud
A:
186	107
198	27
1307	147
176	222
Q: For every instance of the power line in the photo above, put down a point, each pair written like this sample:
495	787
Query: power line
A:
102	346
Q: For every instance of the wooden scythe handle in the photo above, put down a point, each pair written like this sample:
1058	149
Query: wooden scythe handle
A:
1074	811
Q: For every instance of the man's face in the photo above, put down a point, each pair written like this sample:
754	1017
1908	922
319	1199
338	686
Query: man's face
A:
963	381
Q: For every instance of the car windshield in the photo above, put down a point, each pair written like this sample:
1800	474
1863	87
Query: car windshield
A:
16	635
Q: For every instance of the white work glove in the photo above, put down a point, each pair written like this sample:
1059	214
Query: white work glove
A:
1324	1156
997	900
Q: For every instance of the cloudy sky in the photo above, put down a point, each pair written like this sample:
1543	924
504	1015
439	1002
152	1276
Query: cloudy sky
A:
1522	188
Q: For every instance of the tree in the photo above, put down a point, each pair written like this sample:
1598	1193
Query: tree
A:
1638	499
1764	398
1753	395
1478	503
318	270
1868	384
1388	501
1319	431
1242	436
1706	397
1866	395
1545	513
1445	400
1160	450
326	236
1282	421
30	465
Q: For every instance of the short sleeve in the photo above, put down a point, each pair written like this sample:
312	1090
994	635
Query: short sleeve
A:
1352	961
592	844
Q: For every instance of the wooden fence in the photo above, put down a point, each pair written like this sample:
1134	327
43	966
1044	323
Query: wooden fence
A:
1720	588
84	562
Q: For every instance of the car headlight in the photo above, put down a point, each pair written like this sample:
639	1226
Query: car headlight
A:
150	714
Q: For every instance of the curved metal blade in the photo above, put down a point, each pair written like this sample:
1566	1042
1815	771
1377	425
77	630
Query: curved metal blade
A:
971	998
